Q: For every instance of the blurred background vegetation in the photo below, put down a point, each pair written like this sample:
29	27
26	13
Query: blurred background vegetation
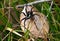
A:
9	18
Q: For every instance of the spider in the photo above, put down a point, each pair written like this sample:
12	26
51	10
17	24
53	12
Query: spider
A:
39	24
28	14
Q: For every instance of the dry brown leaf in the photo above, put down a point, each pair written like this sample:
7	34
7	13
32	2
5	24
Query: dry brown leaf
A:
37	25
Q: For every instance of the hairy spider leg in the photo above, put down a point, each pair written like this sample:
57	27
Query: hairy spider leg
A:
23	13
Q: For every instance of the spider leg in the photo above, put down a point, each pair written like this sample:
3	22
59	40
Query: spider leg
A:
22	19
24	23
23	13
35	22
35	14
31	9
34	11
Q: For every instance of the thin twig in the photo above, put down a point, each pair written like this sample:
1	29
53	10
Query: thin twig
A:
35	2
5	36
11	30
16	25
9	13
31	3
51	6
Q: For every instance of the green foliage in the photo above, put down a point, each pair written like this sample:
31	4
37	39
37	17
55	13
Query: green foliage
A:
3	18
53	19
26	35
1	27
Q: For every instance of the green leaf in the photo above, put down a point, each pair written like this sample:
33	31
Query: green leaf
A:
26	35
9	25
1	27
3	18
